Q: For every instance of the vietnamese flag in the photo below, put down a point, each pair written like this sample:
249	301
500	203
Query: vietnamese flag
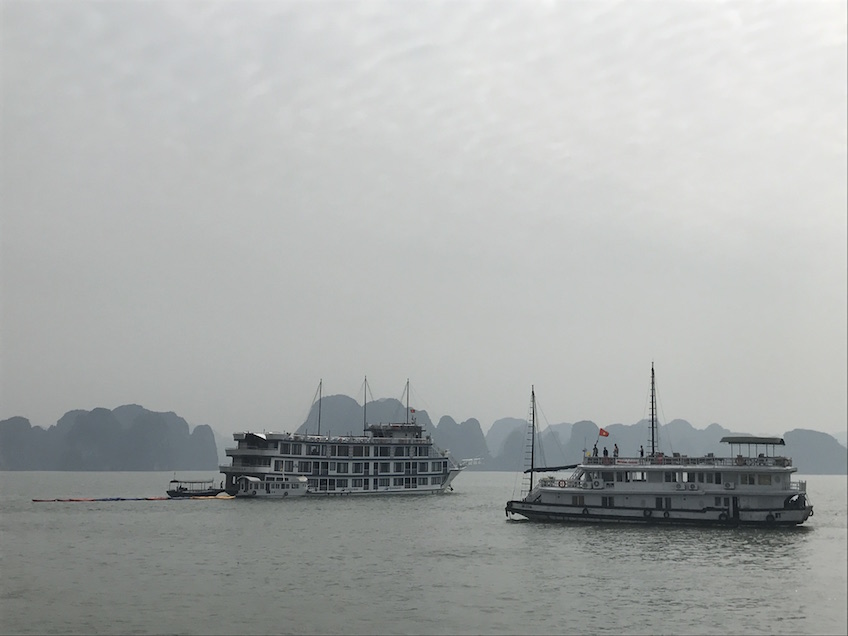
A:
603	433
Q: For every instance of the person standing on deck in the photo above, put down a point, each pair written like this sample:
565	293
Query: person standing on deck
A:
615	451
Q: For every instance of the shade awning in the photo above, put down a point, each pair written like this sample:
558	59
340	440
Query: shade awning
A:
747	439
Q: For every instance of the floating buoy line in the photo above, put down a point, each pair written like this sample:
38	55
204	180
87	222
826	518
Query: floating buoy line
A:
77	499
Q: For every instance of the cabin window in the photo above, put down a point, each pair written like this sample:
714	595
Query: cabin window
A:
670	477
344	451
577	500
341	467
422	467
423	481
399	451
747	479
278	465
718	501
296	449
436	467
608	502
341	483
358	451
357	467
718	478
333	466
398	481
619	477
385	451
764	479
285	448
304	467
701	478
356	483
385	468
398	467
607	477
289	466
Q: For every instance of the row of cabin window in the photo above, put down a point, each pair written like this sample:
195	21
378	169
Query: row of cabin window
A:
343	450
381	482
660	503
288	466
745	479
669	476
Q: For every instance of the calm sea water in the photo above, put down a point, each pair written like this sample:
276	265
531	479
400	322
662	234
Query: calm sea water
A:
450	564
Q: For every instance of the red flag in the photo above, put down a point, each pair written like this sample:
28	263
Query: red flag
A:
412	410
603	433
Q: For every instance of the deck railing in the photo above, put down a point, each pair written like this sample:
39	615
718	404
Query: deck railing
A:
683	460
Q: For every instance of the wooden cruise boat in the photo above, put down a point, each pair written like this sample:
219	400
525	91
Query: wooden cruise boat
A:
387	459
751	486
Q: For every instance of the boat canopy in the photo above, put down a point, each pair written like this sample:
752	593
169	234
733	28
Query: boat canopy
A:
747	439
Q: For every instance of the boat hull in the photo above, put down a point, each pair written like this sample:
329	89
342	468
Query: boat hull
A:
188	494
535	511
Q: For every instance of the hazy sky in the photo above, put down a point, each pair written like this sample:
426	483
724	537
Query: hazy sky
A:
208	207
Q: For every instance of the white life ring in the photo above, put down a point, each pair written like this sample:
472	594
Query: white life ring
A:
596	483
561	483
693	486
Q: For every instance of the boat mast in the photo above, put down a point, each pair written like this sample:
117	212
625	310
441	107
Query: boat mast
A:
653	413
320	386
532	433
407	400
364	405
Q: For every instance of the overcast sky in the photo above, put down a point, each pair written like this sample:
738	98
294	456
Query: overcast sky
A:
208	207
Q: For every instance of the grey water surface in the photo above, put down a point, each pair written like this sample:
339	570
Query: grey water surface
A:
450	564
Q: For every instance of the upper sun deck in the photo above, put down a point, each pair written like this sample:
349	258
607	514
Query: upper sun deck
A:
761	451
376	434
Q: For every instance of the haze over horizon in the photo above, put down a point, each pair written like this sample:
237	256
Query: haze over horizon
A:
209	206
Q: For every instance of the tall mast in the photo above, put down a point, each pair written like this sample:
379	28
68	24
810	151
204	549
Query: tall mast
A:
364	405
653	413
320	386
407	400
532	433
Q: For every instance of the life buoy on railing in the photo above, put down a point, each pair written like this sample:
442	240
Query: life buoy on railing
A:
666	515
770	518
693	486
285	493
561	483
646	512
253	493
679	486
596	483
585	511
722	516
728	485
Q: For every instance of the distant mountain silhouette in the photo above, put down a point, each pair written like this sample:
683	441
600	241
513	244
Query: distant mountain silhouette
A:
127	438
132	438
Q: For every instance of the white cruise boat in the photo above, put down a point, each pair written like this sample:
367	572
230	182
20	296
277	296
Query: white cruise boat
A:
388	459
751	486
